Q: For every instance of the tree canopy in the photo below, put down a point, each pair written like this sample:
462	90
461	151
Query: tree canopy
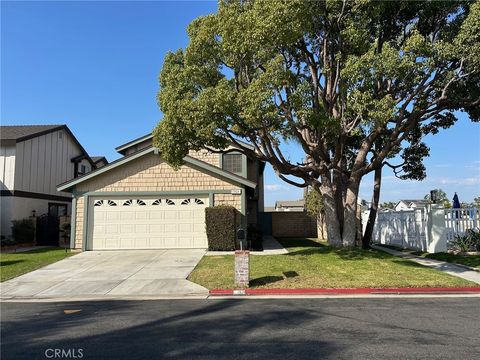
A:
353	83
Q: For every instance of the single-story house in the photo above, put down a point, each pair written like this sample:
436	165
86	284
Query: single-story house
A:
33	160
404	205
290	205
140	202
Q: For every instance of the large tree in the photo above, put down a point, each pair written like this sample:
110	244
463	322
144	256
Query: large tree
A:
335	77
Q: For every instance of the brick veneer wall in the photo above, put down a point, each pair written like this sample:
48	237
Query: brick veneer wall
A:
293	224
147	174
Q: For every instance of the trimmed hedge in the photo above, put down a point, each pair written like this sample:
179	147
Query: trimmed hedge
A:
23	231
221	227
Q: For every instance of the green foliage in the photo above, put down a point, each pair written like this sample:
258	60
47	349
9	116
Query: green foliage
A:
23	231
352	83
388	205
468	242
221	228
442	198
314	203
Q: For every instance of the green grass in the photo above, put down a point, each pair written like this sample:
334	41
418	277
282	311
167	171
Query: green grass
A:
16	264
469	260
311	264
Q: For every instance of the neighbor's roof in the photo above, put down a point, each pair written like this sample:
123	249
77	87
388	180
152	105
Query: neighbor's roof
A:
190	161
143	138
416	202
25	132
290	203
21	133
98	158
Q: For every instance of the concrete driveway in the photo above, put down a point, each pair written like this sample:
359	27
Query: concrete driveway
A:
111	274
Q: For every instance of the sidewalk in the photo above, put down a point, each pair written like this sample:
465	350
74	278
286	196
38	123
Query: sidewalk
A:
451	269
270	247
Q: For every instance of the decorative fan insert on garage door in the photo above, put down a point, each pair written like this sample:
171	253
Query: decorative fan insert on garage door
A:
154	202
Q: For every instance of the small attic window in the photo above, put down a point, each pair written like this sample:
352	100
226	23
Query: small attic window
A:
60	134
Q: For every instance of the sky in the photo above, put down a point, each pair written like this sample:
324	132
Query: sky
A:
94	66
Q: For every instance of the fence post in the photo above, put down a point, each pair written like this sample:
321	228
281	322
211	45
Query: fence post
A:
437	231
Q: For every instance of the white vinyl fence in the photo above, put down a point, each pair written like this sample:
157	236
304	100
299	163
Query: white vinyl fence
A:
458	221
430	229
406	229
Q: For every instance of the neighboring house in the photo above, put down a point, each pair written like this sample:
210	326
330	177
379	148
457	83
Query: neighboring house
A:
33	160
99	161
295	205
404	205
140	202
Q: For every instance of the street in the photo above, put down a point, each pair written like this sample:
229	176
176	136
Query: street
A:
381	328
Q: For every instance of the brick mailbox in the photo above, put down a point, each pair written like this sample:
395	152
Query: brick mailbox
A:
242	268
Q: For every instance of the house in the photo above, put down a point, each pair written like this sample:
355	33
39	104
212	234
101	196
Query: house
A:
404	205
295	205
140	202
33	160
99	161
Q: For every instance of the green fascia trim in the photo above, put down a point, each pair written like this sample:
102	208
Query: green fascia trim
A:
210	200
133	142
73	223
220	172
189	160
244	166
85	222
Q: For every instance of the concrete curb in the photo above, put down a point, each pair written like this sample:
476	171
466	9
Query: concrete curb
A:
344	291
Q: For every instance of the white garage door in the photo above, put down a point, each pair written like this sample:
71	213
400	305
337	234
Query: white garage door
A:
147	223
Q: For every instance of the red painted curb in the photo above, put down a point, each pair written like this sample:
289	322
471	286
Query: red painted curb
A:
344	291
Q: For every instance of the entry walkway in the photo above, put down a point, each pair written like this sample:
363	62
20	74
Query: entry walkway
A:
270	247
449	268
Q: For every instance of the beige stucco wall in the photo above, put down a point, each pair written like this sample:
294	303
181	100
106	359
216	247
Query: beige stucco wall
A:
150	174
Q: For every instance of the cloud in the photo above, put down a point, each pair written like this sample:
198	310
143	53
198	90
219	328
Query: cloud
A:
466	181
274	187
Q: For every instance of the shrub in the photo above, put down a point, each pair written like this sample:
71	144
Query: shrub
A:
23	231
468	242
221	228
7	241
255	238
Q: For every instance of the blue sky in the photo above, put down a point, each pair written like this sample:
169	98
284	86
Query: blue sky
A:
94	66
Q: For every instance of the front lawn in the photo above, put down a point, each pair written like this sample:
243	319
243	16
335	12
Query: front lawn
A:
315	265
16	264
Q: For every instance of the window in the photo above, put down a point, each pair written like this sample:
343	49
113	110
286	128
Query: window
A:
232	163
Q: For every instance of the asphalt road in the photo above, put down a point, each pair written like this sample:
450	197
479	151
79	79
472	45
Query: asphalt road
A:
447	328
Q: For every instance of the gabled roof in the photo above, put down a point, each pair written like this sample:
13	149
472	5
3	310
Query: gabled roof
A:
24	132
290	203
143	138
192	162
133	142
20	133
97	159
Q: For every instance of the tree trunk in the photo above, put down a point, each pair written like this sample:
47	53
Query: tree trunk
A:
372	216
350	214
334	236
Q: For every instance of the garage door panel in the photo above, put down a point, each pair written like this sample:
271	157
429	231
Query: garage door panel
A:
148	223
